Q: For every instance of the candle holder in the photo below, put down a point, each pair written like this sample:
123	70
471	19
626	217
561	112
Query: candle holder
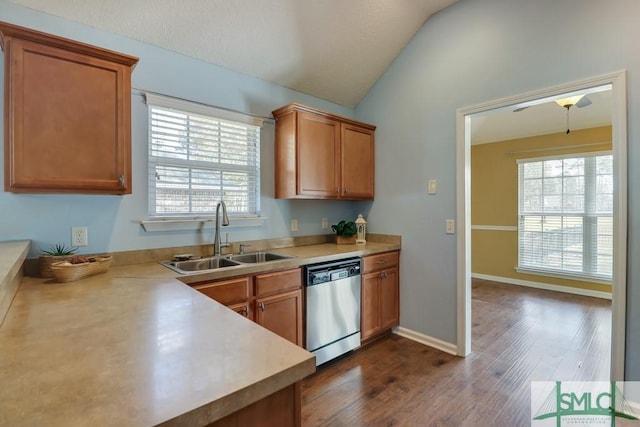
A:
361	230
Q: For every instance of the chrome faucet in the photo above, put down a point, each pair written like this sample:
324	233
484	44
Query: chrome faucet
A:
225	222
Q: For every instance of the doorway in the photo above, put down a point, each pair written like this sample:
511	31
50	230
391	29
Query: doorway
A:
616	81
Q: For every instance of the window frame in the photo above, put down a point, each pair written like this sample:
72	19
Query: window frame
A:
589	214
216	114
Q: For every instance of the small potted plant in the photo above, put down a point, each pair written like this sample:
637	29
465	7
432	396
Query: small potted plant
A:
345	232
56	253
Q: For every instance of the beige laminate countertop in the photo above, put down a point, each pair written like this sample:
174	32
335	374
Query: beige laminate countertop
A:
135	347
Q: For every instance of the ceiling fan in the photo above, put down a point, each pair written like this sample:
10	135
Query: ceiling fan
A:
578	101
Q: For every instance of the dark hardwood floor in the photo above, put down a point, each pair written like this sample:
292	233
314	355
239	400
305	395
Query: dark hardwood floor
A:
519	335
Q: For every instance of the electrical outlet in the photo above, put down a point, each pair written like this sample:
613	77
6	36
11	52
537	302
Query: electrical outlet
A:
325	223
79	236
294	225
450	226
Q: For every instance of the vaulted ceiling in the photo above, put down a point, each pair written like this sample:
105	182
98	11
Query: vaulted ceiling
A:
331	49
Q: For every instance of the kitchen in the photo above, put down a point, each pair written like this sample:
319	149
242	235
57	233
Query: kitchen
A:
413	107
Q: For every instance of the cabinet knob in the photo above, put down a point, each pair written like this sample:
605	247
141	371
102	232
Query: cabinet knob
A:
121	180
245	312
261	305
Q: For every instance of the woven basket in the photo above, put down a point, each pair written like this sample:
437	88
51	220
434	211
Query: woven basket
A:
65	272
46	261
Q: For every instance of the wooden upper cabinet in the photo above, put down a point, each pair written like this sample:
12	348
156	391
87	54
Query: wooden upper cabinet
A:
318	167
357	162
319	155
67	115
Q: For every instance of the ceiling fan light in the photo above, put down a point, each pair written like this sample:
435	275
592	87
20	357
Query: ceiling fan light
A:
569	102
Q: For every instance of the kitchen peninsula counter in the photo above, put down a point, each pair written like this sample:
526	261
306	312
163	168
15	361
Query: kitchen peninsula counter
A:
137	351
135	346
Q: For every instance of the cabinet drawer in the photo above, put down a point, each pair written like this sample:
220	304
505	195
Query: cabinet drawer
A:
380	261
227	292
279	281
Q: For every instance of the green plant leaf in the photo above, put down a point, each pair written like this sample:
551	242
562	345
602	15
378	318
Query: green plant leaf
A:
60	249
345	228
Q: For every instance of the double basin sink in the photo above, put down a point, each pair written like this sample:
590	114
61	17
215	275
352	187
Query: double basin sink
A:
216	262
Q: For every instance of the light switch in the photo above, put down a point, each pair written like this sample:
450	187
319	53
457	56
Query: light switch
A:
432	187
451	226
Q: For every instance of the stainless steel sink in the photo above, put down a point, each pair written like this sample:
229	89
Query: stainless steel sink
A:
257	257
213	263
199	265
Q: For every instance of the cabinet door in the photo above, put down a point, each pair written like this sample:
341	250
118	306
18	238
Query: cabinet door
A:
357	156
242	309
282	314
68	116
318	157
389	299
370	314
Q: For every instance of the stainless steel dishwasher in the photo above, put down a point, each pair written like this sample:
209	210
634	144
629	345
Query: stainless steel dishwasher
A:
333	308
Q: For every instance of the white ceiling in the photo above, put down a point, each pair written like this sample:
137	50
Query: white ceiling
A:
541	117
332	49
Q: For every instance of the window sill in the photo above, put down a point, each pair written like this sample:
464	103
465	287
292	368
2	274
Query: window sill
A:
182	224
561	275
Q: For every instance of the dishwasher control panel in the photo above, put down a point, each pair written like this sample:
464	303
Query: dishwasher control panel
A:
332	271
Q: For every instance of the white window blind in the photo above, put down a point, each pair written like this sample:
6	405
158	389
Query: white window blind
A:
566	215
199	155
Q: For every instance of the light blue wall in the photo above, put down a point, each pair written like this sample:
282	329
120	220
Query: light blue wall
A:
472	52
113	221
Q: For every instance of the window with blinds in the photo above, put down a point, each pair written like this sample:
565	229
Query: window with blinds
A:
566	216
199	155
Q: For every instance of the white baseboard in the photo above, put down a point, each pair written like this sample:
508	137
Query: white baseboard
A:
538	285
426	340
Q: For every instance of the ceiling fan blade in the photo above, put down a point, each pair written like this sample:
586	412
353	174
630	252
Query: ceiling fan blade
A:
583	102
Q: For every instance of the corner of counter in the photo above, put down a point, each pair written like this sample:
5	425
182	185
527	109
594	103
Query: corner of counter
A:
12	256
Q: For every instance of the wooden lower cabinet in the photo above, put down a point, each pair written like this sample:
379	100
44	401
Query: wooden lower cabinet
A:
273	300
370	322
243	308
229	292
380	295
282	314
389	299
281	409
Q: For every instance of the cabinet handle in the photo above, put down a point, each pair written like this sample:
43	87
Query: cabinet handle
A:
337	191
245	312
261	305
382	261
121	180
345	190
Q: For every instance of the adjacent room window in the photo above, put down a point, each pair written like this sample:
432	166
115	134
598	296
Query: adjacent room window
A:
566	216
199	155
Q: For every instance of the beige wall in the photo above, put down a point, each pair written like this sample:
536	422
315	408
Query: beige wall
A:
494	199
